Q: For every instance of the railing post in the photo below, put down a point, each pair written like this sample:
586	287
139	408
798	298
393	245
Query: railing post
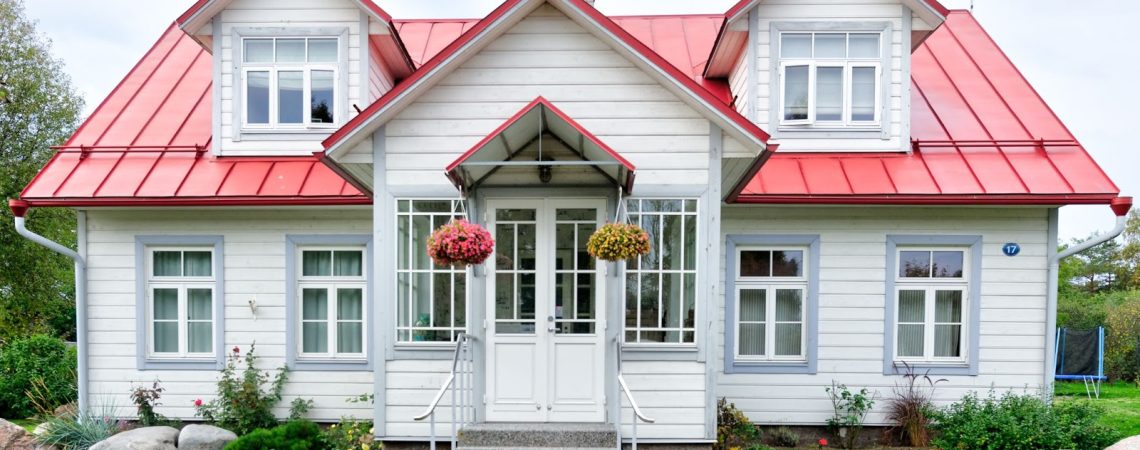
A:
432	431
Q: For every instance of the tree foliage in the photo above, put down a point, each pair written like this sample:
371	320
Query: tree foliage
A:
38	109
1111	266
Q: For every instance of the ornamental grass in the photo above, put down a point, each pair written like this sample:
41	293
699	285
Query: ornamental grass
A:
618	242
460	243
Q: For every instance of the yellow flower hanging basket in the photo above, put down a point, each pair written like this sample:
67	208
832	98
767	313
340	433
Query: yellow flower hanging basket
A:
618	242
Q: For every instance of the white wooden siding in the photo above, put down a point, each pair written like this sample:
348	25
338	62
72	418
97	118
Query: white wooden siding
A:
852	300
254	262
738	83
827	11
547	54
289	14
379	77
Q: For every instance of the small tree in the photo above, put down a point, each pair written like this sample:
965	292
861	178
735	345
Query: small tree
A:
850	411
245	401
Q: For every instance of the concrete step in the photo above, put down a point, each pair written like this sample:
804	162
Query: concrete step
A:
547	436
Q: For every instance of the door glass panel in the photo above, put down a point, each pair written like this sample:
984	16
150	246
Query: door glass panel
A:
515	277
574	274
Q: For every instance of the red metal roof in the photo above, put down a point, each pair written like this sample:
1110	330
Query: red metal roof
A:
148	144
981	135
538	116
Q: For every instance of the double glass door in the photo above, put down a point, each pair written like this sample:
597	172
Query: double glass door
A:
545	312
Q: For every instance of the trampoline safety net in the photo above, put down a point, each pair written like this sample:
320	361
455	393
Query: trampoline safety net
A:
1079	353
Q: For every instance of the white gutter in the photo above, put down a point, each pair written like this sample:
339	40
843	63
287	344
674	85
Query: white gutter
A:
19	209
1120	207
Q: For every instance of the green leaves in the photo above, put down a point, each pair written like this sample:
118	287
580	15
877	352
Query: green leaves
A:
38	109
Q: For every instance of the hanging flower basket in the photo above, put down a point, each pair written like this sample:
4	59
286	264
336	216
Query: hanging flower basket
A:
618	242
460	243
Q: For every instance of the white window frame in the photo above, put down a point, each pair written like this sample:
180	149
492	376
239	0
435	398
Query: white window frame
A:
306	68
770	284
695	272
182	284
457	210
332	284
848	64
930	286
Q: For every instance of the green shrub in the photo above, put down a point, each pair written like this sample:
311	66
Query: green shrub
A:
850	411
296	435
70	432
1122	338
242	405
784	437
352	433
733	429
1020	422
145	399
28	362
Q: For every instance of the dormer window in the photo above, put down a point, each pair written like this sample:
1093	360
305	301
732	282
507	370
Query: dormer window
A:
290	82
831	79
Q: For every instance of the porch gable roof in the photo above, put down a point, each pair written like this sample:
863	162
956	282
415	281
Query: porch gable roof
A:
526	126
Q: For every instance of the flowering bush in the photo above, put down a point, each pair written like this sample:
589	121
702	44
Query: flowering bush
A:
460	242
618	242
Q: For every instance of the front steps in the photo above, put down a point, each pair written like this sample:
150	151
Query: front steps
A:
544	436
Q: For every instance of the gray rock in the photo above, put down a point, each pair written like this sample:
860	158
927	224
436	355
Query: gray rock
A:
1129	443
204	437
148	438
14	437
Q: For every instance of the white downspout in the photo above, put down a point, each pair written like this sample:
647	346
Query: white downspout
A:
1120	207
19	209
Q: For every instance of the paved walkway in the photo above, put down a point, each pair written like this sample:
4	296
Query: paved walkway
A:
1129	443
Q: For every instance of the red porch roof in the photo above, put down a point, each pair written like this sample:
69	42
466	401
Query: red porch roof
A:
981	135
513	136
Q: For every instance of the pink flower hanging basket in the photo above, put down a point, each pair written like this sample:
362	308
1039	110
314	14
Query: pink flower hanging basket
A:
460	243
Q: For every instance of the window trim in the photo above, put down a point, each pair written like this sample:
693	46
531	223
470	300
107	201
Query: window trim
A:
294	244
848	66
341	91
697	277
145	359
882	127
734	244
972	245
273	69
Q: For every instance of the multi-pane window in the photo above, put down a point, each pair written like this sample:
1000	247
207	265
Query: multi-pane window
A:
830	79
771	286
431	300
180	308
661	287
332	284
931	292
290	82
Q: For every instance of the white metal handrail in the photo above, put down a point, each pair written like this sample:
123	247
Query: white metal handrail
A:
462	393
637	414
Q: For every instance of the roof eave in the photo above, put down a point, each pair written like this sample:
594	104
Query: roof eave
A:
930	199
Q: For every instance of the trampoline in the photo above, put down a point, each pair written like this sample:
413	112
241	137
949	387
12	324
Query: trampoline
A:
1080	356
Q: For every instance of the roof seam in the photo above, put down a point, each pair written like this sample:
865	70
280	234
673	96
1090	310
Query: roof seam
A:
973	113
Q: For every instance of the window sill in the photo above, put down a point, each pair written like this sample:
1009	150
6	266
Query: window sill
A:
212	364
319	364
772	367
933	368
808	131
274	134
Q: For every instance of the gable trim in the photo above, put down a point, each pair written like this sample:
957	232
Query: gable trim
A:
742	127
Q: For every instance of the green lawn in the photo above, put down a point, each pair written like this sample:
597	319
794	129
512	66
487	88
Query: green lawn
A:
28	424
1121	402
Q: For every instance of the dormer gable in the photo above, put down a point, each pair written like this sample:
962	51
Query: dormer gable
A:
288	75
825	77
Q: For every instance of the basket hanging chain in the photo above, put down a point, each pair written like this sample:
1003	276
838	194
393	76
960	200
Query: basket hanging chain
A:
459	206
620	211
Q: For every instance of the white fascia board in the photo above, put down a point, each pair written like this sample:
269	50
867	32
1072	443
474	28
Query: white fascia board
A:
688	96
413	92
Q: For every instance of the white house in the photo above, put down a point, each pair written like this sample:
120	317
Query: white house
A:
832	188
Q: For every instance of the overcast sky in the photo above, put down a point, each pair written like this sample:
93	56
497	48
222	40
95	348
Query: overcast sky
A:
1076	57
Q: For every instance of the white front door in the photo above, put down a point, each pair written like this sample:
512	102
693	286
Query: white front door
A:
545	310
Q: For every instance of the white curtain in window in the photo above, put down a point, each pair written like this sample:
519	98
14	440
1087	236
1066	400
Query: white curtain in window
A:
316	263
167	264
789	308
200	320
752	315
197	264
912	313
165	320
948	323
314	321
829	93
350	316
348	264
863	94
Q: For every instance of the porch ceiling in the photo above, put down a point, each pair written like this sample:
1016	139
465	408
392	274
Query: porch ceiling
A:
504	146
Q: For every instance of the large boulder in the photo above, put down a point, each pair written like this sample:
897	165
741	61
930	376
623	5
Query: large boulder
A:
204	437
148	438
1130	443
15	437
